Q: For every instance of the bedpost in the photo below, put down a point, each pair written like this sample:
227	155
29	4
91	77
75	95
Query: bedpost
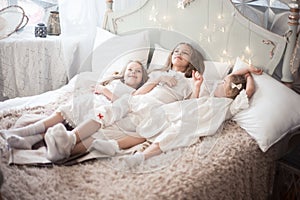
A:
291	36
109	5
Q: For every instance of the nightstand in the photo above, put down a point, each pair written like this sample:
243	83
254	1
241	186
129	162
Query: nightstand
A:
32	65
287	176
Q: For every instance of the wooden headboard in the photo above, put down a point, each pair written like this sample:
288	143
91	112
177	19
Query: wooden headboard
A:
217	27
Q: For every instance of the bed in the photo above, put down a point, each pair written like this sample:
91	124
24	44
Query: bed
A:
238	162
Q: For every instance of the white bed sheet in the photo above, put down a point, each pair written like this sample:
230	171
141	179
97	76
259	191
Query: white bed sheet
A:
20	103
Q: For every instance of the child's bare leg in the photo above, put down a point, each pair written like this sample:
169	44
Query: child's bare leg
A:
139	157
52	120
27	142
111	147
36	128
123	143
129	141
152	150
60	142
86	129
25	137
82	147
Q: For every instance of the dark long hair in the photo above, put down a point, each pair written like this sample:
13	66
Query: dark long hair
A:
236	79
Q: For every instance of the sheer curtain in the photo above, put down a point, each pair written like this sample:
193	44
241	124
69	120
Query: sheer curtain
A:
79	21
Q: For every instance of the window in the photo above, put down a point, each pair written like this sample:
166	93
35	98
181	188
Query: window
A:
36	10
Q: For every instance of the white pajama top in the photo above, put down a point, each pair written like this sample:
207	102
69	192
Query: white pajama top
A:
130	113
84	101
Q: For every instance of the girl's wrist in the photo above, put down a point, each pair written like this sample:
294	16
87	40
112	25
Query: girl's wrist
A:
247	75
100	90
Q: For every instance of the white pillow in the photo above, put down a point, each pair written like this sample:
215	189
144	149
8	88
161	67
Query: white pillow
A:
111	55
274	110
102	35
213	70
117	64
159	57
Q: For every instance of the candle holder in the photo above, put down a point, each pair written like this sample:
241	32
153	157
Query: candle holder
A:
40	30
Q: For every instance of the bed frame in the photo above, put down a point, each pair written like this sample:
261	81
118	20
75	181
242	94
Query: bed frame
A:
212	21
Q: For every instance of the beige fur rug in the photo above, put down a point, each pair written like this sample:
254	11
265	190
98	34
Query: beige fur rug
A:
228	165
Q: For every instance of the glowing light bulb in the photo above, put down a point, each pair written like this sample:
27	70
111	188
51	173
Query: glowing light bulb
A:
247	49
153	14
208	39
180	5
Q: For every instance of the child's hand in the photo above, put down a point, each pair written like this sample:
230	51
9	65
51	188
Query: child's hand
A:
255	70
98	89
169	80
197	78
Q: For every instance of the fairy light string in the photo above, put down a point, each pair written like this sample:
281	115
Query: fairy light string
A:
218	27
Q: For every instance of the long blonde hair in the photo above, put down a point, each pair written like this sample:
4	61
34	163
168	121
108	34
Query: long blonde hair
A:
120	75
196	62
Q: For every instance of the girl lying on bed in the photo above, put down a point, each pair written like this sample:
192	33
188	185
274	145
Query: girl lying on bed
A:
181	123
81	106
164	86
204	116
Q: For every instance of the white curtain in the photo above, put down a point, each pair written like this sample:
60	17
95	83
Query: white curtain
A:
79	21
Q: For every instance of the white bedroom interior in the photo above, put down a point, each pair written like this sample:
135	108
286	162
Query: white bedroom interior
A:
40	73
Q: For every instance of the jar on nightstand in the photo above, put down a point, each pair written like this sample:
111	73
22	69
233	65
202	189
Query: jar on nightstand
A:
53	26
40	30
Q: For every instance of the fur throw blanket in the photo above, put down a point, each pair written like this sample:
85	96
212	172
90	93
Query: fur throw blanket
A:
228	165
